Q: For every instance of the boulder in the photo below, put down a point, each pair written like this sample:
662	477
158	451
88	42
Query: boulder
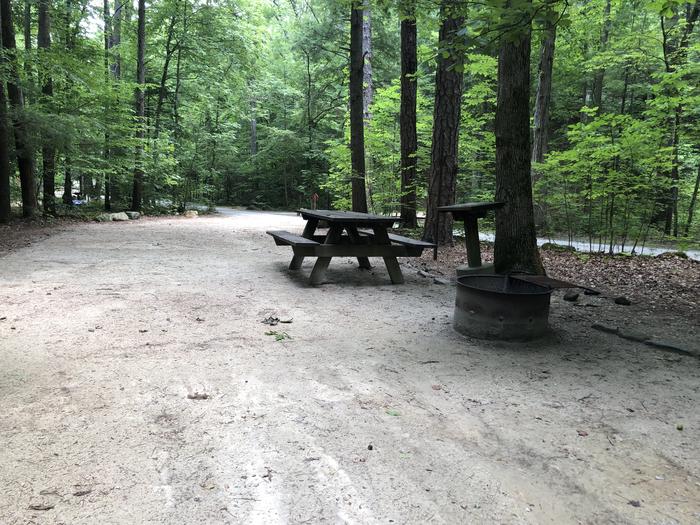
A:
133	215
104	217
121	216
554	247
191	214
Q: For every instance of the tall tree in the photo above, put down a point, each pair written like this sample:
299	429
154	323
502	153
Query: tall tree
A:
25	159
407	115
449	85
676	32
357	124
5	167
48	151
600	72
544	90
515	249
140	106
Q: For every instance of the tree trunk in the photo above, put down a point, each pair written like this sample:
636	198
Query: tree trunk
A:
515	249
48	152
140	106
357	125
162	89
107	150
693	201
5	167
600	73
25	160
367	86
449	85
407	117
544	94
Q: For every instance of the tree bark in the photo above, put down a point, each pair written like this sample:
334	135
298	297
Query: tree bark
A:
544	94
693	201
449	85
140	106
5	167
25	160
48	151
367	86
600	73
515	249
407	117
357	125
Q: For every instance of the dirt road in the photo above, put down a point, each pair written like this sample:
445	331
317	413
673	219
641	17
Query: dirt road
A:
372	410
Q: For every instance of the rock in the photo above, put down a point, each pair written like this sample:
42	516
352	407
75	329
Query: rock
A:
633	336
603	328
438	280
104	217
572	297
671	347
423	273
191	214
551	246
623	301
133	215
121	216
667	255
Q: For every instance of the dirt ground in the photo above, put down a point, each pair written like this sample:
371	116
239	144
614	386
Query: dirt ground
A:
139	385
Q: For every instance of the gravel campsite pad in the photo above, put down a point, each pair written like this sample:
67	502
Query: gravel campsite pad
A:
174	371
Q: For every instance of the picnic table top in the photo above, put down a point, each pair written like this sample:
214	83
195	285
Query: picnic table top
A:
471	208
347	217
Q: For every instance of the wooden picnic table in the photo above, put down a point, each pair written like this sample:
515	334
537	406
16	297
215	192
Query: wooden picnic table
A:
350	234
470	212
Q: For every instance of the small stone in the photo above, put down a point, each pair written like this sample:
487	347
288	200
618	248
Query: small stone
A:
370	447
423	273
438	280
572	297
121	216
591	291
623	301
634	503
191	214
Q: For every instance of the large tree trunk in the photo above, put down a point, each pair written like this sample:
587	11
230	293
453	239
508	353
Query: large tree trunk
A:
367	85
162	88
48	152
107	149
544	94
675	52
515	249
693	200
357	124
140	103
5	166
600	73
407	117
25	160
449	85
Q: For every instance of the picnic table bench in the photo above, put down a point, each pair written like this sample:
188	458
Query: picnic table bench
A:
350	234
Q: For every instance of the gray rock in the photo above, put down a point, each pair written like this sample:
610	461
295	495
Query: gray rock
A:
133	215
121	216
438	280
104	217
572	297
623	301
604	328
671	347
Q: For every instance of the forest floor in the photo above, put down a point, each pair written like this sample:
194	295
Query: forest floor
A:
140	385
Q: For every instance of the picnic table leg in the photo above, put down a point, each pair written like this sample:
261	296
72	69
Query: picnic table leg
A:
309	231
319	272
355	238
392	264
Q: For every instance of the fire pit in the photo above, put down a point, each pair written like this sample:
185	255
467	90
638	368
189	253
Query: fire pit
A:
501	307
